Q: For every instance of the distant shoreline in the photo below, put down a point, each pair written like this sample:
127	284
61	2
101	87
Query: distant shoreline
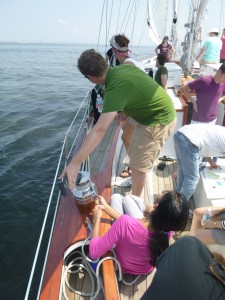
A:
61	43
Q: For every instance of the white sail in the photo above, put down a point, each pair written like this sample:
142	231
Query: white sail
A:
157	21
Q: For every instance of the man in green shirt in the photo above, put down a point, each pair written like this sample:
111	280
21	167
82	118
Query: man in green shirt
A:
128	92
161	74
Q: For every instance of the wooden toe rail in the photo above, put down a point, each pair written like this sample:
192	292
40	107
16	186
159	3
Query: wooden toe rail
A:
70	228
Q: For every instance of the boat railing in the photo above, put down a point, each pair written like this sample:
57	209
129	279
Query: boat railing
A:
71	143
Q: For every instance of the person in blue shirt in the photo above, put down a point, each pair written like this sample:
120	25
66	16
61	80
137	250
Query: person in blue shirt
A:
210	51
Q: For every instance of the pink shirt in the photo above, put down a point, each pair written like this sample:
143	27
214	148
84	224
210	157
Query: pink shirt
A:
131	241
222	51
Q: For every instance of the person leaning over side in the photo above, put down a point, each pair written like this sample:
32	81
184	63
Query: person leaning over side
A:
192	142
138	238
161	74
131	93
212	231
210	51
210	90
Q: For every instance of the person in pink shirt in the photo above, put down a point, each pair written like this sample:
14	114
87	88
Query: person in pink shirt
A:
140	233
165	48
222	51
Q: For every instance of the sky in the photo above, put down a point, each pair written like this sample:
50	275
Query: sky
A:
78	21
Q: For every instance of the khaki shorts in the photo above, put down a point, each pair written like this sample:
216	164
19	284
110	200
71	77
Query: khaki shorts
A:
146	144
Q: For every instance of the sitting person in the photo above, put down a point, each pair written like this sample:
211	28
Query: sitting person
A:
188	270
213	230
138	240
161	74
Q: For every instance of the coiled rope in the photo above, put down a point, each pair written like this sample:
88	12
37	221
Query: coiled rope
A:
83	262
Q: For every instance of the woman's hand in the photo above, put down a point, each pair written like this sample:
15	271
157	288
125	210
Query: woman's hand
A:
97	211
209	224
101	202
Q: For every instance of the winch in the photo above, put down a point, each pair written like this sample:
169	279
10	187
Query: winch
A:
85	191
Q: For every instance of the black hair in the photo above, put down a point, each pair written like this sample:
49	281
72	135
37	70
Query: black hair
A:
222	68
161	59
171	214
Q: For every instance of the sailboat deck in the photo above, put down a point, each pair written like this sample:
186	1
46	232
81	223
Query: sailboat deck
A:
162	180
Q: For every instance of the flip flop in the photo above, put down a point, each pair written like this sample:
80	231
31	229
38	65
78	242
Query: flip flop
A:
125	173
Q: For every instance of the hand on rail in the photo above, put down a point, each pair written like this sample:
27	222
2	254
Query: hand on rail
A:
71	171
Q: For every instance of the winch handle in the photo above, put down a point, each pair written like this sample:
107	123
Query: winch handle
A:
79	176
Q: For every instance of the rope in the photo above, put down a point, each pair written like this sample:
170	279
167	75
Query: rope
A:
83	262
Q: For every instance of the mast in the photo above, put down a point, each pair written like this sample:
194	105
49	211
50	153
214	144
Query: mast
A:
191	39
174	35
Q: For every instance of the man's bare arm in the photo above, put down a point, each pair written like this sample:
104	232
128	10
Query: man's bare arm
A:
90	143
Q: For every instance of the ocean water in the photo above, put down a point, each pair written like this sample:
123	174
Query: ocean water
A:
40	91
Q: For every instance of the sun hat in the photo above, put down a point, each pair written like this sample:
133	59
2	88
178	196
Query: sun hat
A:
214	29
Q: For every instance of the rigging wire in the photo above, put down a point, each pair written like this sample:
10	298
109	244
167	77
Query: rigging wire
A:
103	7
107	36
137	2
144	27
118	16
125	16
125	28
106	20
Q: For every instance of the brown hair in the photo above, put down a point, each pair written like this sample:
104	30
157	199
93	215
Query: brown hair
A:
92	63
122	40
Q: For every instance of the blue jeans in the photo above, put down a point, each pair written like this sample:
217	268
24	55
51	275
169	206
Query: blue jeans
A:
188	158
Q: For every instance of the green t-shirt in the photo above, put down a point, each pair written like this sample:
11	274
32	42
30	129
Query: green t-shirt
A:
161	71
130	90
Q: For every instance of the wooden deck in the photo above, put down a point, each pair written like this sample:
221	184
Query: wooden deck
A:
162	180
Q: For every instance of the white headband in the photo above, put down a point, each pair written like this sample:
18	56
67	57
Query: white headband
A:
114	44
